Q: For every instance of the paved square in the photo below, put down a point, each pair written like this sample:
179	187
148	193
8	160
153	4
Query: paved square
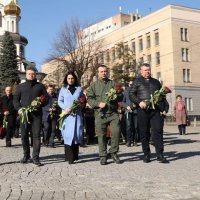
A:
87	179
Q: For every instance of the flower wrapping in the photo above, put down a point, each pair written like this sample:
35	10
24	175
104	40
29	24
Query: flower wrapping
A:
158	94
53	109
5	120
35	105
114	92
75	106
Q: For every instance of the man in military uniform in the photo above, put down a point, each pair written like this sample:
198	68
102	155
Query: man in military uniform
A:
105	115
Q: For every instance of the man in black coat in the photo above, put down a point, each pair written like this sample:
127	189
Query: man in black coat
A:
142	88
25	93
50	117
9	114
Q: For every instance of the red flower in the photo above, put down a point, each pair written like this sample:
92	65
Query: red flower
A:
43	99
118	88
82	100
5	110
167	90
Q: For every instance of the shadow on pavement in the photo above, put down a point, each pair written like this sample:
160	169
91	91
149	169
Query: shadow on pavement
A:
173	155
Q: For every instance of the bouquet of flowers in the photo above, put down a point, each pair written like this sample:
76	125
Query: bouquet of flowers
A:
5	120
158	94
76	104
114	92
53	109
35	104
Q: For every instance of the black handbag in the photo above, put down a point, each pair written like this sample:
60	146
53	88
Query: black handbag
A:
188	123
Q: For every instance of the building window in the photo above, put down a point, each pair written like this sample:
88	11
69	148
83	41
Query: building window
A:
107	56
158	76
140	44
157	58
133	47
0	19
141	60
184	34
149	59
113	54
185	54
189	104
148	41
125	49
156	38
101	58
187	75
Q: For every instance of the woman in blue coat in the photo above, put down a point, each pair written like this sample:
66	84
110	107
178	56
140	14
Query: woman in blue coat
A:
72	126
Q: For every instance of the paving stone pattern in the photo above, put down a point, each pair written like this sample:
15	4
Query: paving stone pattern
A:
87	179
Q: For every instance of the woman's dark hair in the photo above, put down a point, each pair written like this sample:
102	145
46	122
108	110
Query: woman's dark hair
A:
178	96
75	78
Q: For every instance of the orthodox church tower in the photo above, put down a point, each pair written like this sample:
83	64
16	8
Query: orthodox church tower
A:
9	21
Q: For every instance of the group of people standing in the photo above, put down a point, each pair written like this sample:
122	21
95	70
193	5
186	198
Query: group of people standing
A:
141	121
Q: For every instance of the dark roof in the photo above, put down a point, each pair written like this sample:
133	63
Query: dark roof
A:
16	37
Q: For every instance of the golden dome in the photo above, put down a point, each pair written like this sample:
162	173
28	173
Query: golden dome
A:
12	9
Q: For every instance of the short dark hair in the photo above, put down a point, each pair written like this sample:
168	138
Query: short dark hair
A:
31	68
75	78
145	65
179	96
50	86
101	65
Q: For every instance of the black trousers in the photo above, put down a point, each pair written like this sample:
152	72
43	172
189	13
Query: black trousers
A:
34	127
147	120
49	131
11	119
131	127
71	152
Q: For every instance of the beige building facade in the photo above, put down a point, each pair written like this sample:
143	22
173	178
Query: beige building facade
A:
168	39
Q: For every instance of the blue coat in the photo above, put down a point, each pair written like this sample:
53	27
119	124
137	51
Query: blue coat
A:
73	124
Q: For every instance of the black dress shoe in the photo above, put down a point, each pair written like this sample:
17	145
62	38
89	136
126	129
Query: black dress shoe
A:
8	143
25	160
116	159
71	162
161	159
128	144
103	161
37	163
146	159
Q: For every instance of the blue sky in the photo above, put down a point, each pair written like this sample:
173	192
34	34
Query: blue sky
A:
41	20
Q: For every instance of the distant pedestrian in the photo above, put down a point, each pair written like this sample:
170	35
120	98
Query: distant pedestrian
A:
180	114
130	118
50	117
9	113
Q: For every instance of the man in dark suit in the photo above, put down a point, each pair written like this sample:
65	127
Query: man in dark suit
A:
9	114
49	117
25	93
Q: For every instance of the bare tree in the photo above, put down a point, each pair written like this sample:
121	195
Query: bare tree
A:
125	69
76	51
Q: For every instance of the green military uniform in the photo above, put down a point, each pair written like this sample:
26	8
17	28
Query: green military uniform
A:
106	116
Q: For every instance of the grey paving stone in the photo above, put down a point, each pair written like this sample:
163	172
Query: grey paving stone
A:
87	179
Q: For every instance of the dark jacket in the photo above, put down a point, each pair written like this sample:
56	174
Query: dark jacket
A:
163	105
26	92
97	93
127	102
7	104
143	88
45	109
